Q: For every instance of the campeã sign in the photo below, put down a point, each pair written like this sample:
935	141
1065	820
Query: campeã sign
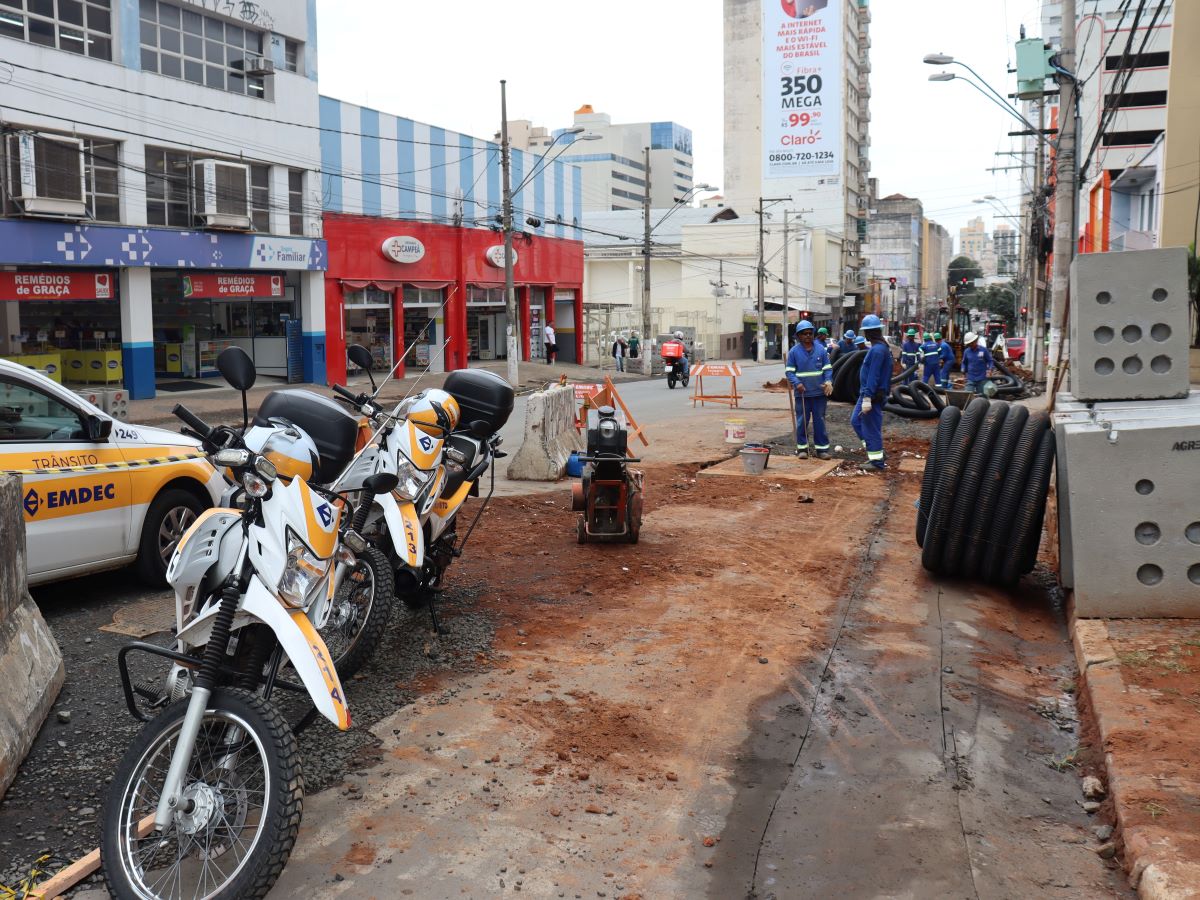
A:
56	286
495	256
403	249
217	286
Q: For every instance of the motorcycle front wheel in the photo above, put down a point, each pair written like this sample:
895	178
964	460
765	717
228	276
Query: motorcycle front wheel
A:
361	609
243	796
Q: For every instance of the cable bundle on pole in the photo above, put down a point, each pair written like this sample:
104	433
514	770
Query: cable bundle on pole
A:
983	497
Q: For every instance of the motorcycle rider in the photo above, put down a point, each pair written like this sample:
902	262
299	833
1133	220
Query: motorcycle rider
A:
675	351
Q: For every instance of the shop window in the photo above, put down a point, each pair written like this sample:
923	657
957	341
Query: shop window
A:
171	195
30	415
295	201
422	296
369	297
481	296
186	44
77	26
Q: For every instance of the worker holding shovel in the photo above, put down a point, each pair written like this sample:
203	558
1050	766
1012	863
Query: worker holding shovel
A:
811	376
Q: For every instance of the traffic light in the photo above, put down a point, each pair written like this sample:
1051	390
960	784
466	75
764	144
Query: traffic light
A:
1024	310
892	283
964	281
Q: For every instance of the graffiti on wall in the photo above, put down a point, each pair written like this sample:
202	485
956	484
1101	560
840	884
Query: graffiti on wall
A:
246	10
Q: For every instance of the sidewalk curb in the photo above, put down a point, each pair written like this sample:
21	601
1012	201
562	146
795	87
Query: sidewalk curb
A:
1147	859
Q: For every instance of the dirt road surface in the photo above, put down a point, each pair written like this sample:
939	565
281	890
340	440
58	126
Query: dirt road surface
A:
765	697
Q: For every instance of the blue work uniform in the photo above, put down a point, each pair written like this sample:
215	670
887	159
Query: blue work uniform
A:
945	355
808	372
929	359
910	355
846	346
977	362
874	379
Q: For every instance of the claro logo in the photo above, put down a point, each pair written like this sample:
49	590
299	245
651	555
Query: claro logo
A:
1184	446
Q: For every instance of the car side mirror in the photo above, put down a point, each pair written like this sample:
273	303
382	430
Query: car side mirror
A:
98	428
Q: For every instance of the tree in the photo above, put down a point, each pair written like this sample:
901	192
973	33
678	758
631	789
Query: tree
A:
996	302
963	267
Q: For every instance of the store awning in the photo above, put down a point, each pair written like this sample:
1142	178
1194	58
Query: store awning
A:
390	285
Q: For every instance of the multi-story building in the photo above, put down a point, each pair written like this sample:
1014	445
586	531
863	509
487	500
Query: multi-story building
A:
161	195
613	159
797	117
1007	245
936	252
415	253
895	247
973	239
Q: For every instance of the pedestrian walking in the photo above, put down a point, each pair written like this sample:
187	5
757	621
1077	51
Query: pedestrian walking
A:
976	362
619	349
929	360
874	378
635	345
911	354
945	360
811	375
551	344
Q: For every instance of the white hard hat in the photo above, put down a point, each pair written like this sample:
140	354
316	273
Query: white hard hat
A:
679	335
970	337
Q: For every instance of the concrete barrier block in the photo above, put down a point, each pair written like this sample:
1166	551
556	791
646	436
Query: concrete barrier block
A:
31	665
550	436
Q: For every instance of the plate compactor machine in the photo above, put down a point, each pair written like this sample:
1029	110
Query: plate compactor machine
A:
609	496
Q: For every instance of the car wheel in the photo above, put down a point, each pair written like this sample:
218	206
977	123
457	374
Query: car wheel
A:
169	517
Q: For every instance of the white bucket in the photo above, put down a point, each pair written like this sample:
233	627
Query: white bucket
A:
735	431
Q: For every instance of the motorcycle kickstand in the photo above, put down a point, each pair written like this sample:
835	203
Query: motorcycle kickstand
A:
437	627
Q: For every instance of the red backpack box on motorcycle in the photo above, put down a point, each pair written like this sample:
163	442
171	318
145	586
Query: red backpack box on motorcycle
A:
672	350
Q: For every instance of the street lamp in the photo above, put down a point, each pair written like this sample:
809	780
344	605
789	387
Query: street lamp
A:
991	95
510	293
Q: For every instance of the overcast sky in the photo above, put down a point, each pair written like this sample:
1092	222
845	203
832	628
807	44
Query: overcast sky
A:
653	60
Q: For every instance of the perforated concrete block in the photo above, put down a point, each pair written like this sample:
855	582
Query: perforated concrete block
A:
1129	325
1132	525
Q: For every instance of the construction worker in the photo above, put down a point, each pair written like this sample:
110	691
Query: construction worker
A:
811	376
945	360
976	362
874	379
910	355
847	341
824	339
860	342
929	360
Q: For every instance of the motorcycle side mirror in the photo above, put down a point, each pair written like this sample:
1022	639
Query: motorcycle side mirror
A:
361	357
381	483
237	368
480	429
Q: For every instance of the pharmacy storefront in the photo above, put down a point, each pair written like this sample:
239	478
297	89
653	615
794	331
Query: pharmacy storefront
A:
149	308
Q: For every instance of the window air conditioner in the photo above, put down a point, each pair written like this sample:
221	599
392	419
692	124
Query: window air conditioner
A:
46	175
222	194
258	65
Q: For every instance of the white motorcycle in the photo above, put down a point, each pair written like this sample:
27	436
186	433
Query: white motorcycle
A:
438	465
207	800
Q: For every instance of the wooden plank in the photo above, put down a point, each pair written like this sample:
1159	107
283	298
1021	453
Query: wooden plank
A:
67	878
912	464
779	468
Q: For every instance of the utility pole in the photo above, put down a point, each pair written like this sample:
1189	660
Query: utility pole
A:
510	291
784	337
762	278
1066	193
647	338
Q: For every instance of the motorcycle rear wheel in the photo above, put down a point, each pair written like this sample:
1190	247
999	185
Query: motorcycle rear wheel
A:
244	795
671	381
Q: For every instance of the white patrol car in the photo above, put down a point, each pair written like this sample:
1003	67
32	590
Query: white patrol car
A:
96	493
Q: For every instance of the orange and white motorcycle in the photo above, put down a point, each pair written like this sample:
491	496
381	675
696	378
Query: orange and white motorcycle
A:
207	800
438	444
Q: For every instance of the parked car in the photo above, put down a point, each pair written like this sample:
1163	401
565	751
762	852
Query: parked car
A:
1014	348
97	493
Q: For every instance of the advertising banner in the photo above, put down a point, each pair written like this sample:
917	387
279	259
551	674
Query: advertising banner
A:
56	286
802	87
219	286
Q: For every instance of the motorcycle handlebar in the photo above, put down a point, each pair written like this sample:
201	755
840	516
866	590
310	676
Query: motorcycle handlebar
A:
192	420
342	392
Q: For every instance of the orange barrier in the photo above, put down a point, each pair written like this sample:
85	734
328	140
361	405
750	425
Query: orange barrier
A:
594	396
715	370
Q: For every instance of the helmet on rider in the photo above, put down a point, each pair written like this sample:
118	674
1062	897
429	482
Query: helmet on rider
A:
435	412
679	335
293	454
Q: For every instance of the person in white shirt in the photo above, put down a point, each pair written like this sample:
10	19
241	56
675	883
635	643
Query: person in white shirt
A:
999	348
551	346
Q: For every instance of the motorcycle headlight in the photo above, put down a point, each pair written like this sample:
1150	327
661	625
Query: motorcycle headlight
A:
412	480
303	574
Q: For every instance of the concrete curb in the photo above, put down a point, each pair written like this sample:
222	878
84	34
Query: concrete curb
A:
1152	870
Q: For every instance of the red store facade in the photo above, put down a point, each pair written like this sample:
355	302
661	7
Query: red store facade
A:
403	288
